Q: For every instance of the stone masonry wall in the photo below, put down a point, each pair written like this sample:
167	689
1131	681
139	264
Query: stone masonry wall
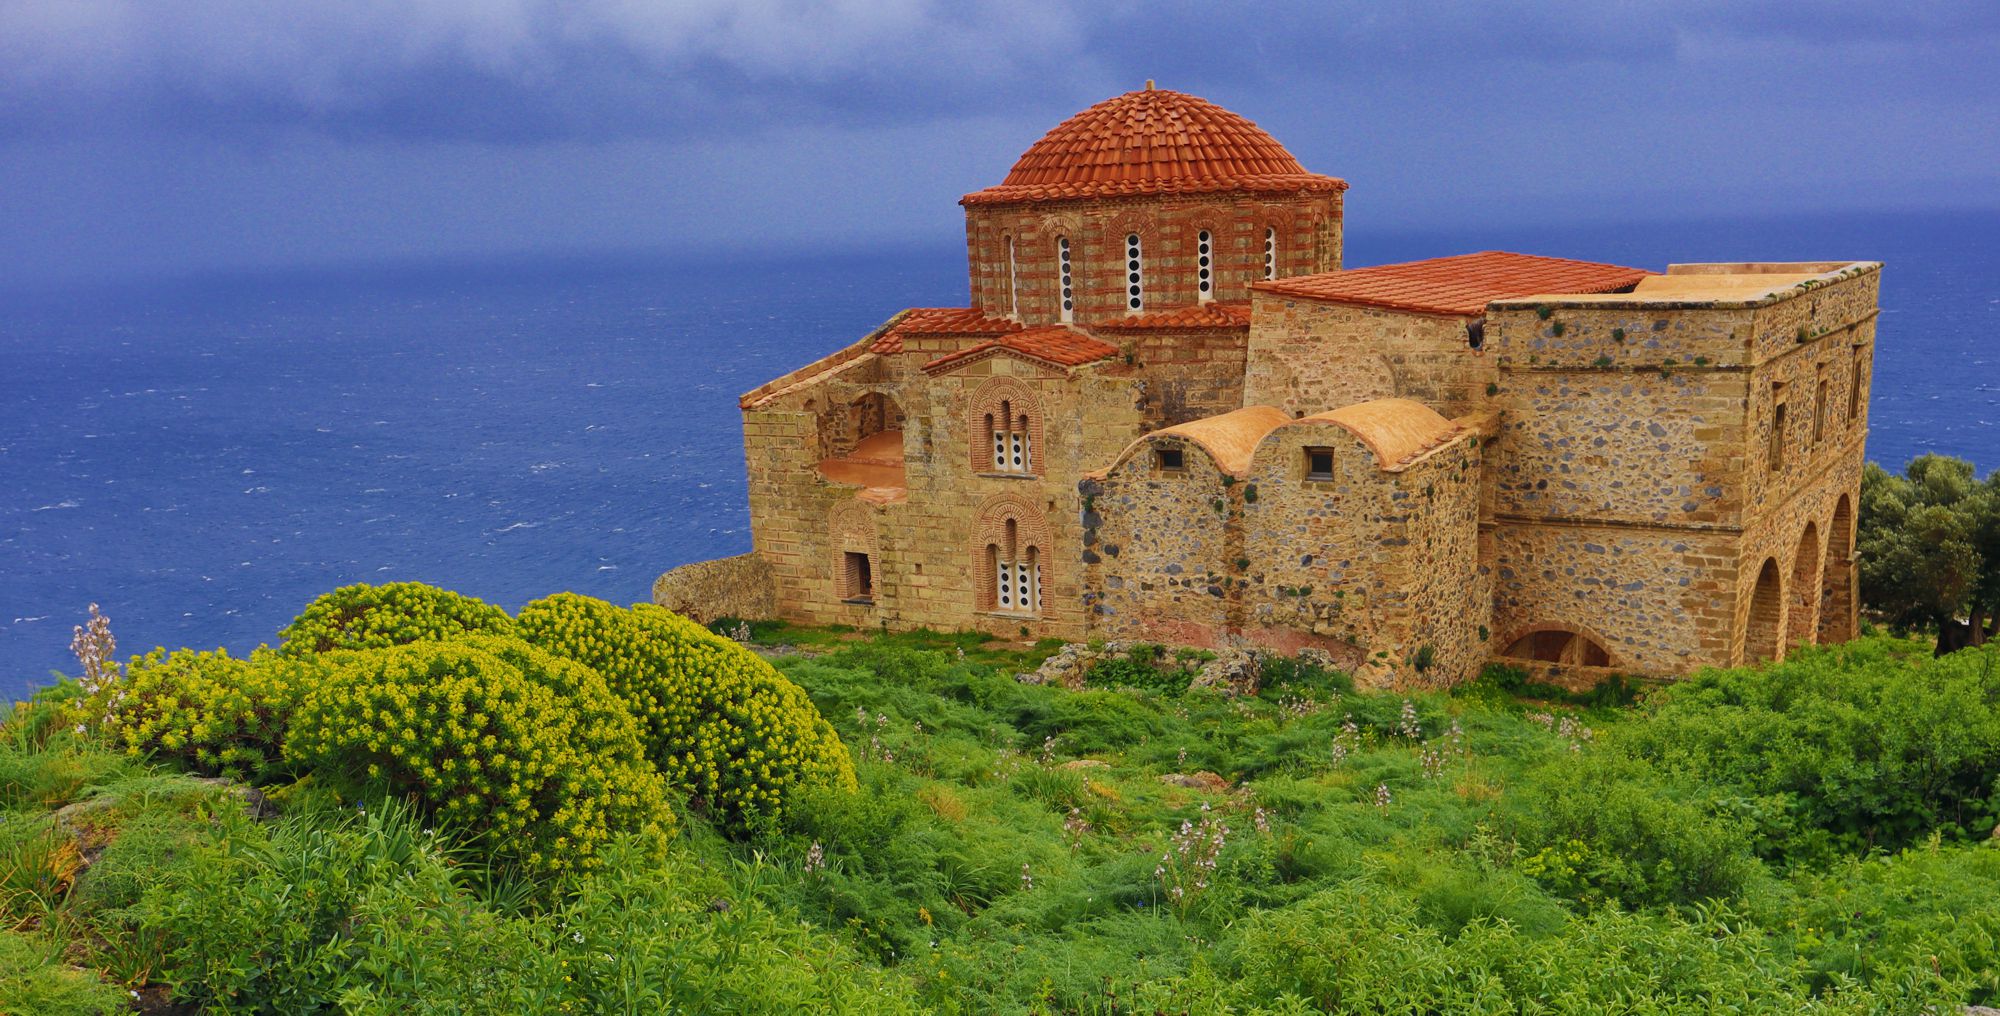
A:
1160	547
1307	356
737	586
1309	240
1384	559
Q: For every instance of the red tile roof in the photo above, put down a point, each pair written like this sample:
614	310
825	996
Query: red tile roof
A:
1152	142
1056	344
941	321
1461	285
1235	314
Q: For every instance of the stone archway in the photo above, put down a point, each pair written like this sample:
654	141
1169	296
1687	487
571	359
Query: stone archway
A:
1767	609
1802	613
1836	598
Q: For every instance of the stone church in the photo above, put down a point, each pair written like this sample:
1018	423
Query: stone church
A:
1171	413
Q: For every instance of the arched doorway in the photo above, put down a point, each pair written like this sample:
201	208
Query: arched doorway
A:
1560	645
1767	608
1802	618
1836	599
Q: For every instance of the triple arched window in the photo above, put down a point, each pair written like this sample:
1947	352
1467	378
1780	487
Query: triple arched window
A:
1012	556
1006	426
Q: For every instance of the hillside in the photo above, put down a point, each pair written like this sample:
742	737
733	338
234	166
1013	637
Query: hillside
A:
1815	836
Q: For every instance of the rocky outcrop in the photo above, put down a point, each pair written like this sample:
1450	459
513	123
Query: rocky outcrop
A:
740	586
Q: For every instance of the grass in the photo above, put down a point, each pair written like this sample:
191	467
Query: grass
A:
1727	844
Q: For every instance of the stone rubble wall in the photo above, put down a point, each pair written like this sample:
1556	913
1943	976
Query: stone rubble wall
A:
739	587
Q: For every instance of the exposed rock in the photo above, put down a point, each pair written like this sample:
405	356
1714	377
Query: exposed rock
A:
1086	763
1067	667
1233	671
1203	780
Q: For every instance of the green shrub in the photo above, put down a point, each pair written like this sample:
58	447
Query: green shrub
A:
209	711
396	613
716	718
494	737
34	981
325	910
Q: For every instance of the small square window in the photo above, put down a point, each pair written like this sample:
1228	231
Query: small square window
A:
1170	460
1319	463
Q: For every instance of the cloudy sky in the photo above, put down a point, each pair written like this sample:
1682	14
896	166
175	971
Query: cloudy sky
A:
139	137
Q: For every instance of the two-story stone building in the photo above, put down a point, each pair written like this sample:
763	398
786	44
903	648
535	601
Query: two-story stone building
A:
1169	413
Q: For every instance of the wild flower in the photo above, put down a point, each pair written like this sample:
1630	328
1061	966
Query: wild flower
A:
1345	742
1048	755
1180	758
1075	828
94	648
1433	762
1382	796
1406	726
815	858
1027	878
741	633
1192	856
1262	820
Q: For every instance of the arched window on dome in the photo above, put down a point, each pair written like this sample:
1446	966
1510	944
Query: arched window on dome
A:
1270	252
1068	287
1204	261
1135	274
1013	282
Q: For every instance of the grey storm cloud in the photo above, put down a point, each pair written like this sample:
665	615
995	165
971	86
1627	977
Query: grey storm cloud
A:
549	69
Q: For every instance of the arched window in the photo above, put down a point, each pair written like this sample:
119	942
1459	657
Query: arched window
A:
1767	608
1068	290
1135	284
1013	282
1013	550
1013	448
1819	413
1204	260
1006	426
1270	252
1854	388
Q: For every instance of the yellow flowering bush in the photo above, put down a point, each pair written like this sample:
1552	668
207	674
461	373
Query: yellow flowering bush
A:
362	616
214	712
717	719
492	736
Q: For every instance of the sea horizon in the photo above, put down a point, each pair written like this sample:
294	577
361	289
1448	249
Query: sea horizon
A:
201	455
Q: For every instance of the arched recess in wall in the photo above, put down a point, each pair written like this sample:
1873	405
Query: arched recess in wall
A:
857	554
1555	643
1005	423
1010	556
1836	599
874	425
1767	608
1802	614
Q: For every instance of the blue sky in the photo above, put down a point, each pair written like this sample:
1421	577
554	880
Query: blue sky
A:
140	137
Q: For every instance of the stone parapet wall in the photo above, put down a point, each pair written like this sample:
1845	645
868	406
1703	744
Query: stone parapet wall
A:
1306	356
739	586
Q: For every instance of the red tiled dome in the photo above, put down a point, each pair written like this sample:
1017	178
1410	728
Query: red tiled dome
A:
1152	142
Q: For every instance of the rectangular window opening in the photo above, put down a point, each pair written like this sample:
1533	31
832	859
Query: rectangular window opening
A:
860	578
1170	460
1319	463
1778	438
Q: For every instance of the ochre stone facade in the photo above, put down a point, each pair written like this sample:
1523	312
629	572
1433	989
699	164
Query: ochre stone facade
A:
1170	414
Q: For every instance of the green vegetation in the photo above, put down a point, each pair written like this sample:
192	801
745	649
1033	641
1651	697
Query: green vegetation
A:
1930	550
938	836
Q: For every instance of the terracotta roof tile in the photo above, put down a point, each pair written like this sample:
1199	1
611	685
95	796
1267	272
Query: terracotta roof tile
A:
1152	142
1461	285
941	321
1235	314
1056	344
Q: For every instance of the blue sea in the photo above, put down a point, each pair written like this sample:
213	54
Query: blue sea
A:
203	456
